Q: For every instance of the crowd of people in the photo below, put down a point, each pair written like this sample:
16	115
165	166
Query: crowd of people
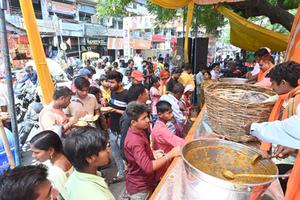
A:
143	112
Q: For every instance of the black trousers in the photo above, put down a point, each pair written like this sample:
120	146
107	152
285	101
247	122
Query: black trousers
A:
283	168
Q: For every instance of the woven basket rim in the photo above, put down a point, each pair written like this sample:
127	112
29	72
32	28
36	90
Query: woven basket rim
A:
209	91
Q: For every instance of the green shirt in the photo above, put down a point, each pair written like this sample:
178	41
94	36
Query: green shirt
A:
87	186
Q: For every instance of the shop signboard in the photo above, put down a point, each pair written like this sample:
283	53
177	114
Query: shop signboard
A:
96	41
70	29
61	8
87	9
140	44
94	30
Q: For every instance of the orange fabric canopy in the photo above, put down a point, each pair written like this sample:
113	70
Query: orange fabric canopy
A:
293	49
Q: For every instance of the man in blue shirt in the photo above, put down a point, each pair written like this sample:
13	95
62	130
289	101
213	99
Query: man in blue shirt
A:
30	75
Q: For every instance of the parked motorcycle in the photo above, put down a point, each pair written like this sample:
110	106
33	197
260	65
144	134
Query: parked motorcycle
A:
25	93
31	120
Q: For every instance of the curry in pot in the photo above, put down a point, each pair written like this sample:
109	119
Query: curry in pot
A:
214	160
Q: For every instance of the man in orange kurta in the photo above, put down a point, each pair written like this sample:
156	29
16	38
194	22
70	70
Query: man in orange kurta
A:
284	127
266	63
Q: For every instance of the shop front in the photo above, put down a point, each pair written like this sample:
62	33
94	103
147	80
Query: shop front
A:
95	41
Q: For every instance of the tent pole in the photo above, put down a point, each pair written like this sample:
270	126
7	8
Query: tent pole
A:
11	105
6	146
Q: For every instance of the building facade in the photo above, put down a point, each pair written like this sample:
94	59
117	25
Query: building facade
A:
75	23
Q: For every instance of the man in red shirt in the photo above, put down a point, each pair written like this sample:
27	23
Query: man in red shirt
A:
140	177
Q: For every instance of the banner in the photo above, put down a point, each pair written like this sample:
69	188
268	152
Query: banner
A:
140	44
115	43
61	8
148	22
158	38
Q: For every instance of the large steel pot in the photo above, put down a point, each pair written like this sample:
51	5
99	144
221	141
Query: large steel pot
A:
202	186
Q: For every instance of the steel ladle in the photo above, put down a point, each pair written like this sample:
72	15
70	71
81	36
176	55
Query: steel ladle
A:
230	175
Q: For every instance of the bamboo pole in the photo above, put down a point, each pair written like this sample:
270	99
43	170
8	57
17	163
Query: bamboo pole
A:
6	61
6	146
37	50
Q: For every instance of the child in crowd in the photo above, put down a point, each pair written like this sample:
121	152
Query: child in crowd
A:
162	138
87	149
155	94
105	90
140	177
185	102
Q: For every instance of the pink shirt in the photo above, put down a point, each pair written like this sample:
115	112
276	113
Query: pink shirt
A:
163	138
154	96
266	82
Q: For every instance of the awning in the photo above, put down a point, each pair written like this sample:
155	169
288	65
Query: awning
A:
87	9
158	38
249	36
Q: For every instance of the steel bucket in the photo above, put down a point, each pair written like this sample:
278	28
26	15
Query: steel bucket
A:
202	186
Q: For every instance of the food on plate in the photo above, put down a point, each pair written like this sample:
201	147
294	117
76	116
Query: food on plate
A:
81	123
106	109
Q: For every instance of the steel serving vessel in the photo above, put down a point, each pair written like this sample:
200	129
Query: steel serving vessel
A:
202	186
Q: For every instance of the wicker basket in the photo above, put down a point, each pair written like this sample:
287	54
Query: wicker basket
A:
228	116
233	80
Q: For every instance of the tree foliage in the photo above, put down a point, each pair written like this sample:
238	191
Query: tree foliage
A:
207	17
112	8
163	15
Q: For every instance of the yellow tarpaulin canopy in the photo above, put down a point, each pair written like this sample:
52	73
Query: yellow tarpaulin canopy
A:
249	36
171	4
174	4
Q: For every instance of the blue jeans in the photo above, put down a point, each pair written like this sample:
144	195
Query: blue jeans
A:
114	138
154	118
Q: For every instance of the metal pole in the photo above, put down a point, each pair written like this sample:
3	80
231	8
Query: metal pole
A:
183	25
11	105
195	54
79	47
196	37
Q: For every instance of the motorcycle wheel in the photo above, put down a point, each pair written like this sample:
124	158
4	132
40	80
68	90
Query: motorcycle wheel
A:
24	132
20	116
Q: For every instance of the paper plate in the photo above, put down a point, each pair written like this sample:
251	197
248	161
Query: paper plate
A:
106	109
81	123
